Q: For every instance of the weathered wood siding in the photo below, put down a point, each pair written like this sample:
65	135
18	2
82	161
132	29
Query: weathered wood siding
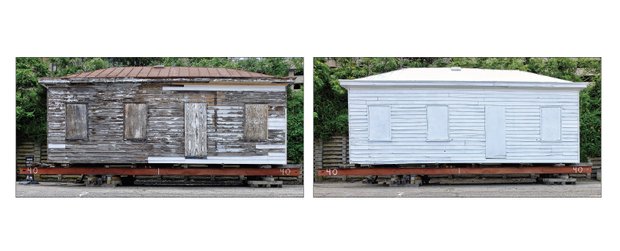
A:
165	137
466	124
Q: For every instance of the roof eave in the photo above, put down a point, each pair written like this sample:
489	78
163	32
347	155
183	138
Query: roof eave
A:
53	81
460	84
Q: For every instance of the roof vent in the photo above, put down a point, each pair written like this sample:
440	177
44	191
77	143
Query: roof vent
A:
455	68
159	66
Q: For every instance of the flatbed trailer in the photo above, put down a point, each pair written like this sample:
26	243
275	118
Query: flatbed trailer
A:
161	171
381	171
420	175
93	172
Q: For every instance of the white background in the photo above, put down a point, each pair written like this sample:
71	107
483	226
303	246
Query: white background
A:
309	28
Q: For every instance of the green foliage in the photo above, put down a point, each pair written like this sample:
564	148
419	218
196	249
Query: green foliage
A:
330	106
66	66
30	101
132	61
295	126
95	64
271	66
590	111
330	101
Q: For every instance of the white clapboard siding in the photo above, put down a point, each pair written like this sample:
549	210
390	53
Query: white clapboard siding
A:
276	123
268	160
466	125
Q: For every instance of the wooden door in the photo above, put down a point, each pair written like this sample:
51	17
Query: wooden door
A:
495	128
196	130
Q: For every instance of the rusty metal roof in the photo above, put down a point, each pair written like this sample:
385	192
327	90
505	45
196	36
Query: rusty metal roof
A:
167	72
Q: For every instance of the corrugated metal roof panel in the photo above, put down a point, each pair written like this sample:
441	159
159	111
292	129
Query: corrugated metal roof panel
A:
106	72
116	71
154	72
91	74
167	72
134	71
124	72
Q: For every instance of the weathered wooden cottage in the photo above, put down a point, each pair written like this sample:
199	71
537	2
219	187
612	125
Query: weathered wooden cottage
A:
167	115
458	115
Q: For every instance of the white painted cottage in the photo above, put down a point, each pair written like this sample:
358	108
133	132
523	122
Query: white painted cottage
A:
459	115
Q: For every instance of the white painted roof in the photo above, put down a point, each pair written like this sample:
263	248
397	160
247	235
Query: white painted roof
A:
462	77
462	74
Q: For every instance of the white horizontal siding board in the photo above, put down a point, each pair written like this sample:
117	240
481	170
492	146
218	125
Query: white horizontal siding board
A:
276	123
273	160
270	146
277	154
225	88
466	115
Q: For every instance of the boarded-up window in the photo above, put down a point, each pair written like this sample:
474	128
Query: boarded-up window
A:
379	123
196	130
495	130
135	121
551	124
77	121
437	123
255	126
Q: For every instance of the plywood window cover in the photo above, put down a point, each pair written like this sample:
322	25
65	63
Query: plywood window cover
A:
253	132
197	149
69	137
125	119
387	137
559	139
442	139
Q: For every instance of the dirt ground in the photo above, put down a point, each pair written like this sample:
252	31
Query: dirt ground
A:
68	190
583	189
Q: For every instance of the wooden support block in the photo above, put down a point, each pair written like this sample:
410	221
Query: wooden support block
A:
114	181
559	181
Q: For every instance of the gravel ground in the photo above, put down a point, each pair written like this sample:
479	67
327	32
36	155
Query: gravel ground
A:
583	189
66	190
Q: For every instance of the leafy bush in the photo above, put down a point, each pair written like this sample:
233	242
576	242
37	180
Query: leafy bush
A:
295	125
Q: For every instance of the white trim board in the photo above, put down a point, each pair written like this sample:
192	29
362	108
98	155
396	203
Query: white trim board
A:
225	88
276	123
273	160
270	146
459	84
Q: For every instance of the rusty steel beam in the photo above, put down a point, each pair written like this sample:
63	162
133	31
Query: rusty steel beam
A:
161	171
454	171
